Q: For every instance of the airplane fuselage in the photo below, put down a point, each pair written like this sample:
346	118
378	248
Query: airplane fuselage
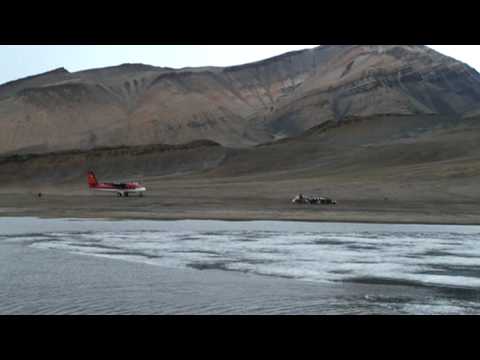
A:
122	189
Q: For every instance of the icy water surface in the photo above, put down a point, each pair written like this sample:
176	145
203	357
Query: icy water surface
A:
436	269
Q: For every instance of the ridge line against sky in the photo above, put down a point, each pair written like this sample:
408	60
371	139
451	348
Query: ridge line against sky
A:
19	61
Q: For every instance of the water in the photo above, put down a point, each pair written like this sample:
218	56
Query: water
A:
378	268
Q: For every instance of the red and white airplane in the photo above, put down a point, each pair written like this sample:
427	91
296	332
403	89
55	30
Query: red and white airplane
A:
122	189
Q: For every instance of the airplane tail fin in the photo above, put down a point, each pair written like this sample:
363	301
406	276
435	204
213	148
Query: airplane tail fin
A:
92	179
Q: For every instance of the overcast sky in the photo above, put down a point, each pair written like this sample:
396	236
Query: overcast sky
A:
18	61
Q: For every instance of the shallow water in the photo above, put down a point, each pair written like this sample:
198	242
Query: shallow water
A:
440	265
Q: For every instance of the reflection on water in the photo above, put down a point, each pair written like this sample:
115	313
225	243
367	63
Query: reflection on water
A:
443	258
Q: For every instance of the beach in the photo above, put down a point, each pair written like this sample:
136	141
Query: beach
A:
205	206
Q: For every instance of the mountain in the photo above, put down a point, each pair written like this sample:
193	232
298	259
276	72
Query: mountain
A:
238	106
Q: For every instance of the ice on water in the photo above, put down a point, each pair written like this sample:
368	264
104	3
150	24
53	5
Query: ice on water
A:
430	255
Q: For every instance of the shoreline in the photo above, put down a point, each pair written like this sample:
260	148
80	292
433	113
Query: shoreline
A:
205	207
230	219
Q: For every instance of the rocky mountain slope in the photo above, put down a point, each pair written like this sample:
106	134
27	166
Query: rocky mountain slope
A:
239	106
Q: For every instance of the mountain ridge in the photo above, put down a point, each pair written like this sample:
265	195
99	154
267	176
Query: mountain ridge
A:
236	106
